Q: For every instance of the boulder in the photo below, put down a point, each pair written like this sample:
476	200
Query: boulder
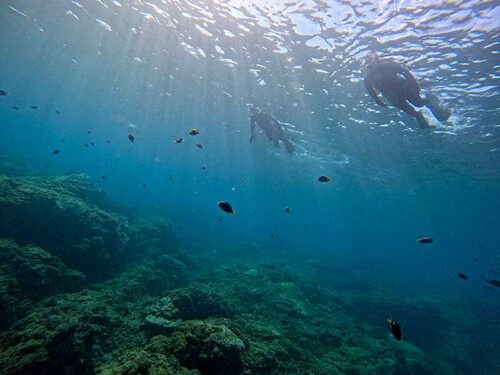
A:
211	348
54	213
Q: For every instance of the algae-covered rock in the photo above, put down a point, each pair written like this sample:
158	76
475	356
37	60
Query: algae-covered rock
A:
37	272
30	273
193	302
184	304
60	334
145	362
153	234
173	269
211	348
161	317
53	212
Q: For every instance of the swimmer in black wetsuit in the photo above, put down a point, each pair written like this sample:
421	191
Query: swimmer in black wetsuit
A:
399	86
271	127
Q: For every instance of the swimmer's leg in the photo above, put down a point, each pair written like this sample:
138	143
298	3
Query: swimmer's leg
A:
417	100
288	145
439	111
405	106
269	134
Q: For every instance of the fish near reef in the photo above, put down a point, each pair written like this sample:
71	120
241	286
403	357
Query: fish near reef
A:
425	240
178	140
463	276
323	179
395	329
495	283
194	131
131	138
226	207
3	93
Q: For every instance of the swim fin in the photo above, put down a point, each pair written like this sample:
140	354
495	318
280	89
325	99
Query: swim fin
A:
439	111
422	122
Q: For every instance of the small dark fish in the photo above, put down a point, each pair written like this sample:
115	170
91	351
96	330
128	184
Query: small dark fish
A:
108	142
34	107
200	146
89	132
395	329
220	219
103	177
287	210
171	178
226	207
3	93
271	235
323	179
86	145
16	108
425	240
495	283
194	131
92	143
203	167
131	138
55	152
58	113
178	140
463	276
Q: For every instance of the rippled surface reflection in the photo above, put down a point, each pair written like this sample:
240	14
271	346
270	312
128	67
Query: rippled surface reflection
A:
301	60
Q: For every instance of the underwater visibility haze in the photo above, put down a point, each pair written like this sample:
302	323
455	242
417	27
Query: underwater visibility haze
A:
250	187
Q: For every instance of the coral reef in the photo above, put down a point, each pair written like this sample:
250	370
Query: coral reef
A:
86	291
54	213
29	273
208	346
77	330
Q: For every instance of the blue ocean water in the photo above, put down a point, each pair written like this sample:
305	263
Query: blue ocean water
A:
98	71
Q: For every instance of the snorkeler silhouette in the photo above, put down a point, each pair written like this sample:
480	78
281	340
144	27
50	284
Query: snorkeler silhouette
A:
399	86
271	127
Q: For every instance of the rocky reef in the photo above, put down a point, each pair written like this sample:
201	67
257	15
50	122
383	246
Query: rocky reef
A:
87	291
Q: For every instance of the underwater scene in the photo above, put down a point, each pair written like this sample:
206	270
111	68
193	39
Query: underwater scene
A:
219	187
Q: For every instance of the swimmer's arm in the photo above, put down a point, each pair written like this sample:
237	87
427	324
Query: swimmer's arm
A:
252	128
373	94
